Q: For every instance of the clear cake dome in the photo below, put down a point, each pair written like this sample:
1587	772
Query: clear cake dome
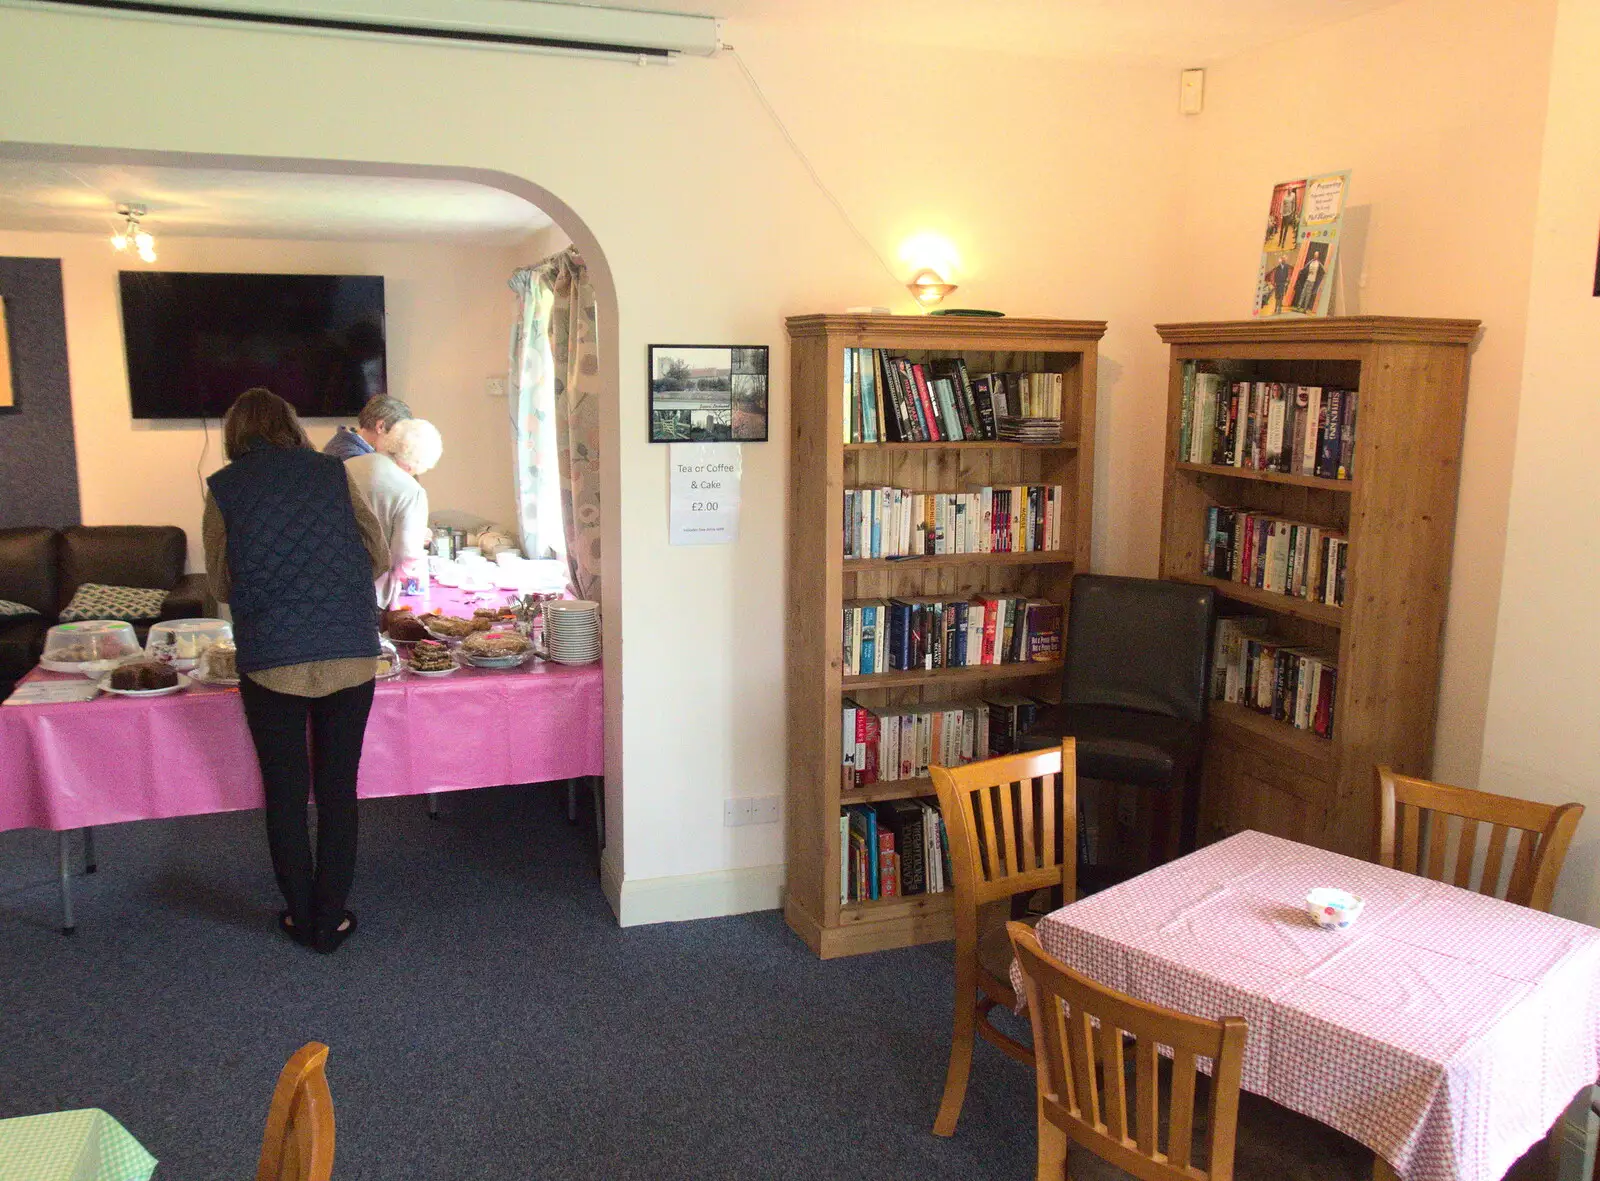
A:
89	646
181	642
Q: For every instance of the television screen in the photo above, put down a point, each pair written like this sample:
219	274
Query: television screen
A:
196	341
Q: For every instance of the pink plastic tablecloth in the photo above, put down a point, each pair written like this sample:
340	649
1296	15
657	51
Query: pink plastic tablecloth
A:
115	759
1446	1031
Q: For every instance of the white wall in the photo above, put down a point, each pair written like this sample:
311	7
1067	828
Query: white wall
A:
1438	107
1068	189
1055	184
449	322
1542	740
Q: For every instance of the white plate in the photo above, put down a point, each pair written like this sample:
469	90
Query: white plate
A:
219	682
183	683
86	668
443	672
563	605
516	661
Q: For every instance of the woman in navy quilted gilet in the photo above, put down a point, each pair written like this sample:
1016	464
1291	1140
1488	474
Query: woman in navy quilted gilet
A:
292	545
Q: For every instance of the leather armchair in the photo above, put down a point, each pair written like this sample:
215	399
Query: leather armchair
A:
27	576
133	555
43	568
1135	689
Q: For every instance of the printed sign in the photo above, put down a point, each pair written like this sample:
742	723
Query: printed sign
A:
704	502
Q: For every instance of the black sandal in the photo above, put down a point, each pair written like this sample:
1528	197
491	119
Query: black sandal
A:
293	930
327	942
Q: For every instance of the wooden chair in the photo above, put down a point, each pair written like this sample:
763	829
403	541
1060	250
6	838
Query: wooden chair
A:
1013	829
1082	1084
298	1144
1544	832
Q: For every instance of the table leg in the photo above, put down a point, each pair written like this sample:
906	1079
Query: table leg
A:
89	865
433	805
1382	1170
572	801
64	849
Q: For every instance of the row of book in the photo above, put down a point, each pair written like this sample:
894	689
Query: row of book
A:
1271	554
891	850
927	632
891	399
898	522
1267	426
1290	683
893	742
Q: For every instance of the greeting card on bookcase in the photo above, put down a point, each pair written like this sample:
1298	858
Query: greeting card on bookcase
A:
1301	249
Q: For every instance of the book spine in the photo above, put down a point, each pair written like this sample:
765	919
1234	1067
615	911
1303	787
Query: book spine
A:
929	417
1328	445
984	402
1186	412
1347	436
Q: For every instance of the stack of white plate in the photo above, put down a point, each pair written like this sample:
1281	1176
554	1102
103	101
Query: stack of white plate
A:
572	631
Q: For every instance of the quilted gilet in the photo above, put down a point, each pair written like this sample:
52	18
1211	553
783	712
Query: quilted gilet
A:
302	580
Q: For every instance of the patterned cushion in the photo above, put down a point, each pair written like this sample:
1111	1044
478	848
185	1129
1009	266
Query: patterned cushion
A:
7	607
130	603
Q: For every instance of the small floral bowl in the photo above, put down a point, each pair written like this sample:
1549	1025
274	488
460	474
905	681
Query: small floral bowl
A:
1334	909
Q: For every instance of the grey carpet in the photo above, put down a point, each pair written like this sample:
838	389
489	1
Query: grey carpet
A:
490	1021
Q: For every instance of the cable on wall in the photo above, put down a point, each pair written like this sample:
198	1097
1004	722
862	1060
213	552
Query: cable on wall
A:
811	170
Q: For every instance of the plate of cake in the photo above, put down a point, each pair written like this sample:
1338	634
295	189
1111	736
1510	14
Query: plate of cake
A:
430	658
144	678
503	649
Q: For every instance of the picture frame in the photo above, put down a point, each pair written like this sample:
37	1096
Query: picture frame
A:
708	393
8	389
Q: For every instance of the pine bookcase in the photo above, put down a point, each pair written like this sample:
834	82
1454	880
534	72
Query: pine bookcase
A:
1398	512
822	466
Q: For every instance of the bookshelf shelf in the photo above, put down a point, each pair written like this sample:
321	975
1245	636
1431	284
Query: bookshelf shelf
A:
1242	473
964	445
1303	744
821	467
887	908
1032	558
1018	671
1268	600
889	789
1398	516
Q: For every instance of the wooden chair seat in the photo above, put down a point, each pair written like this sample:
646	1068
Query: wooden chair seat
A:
1013	828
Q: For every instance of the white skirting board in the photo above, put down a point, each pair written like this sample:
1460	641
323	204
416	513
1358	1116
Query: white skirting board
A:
691	896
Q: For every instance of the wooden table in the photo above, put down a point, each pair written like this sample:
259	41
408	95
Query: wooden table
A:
1445	1030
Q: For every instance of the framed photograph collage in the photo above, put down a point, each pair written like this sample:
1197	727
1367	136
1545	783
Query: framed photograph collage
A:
708	393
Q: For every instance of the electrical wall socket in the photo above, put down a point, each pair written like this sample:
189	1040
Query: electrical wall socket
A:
741	810
495	387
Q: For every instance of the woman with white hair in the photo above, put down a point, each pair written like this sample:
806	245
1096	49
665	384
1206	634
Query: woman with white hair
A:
388	478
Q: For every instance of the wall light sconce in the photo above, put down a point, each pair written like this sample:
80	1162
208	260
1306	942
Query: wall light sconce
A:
928	287
130	233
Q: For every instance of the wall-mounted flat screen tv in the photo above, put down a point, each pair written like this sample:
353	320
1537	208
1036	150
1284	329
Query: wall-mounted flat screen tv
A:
195	341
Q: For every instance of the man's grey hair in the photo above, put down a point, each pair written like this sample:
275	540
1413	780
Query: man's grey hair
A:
383	411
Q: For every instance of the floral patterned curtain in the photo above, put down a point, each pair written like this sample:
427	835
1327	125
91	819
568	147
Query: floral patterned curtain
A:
555	372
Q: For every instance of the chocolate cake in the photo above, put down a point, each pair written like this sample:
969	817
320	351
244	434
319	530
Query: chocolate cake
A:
406	628
143	674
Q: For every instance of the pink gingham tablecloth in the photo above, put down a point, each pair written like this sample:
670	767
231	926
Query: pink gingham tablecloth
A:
114	759
1446	1031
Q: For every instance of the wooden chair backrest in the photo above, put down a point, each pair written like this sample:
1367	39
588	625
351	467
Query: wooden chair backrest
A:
1078	1025
1002	817
1543	833
298	1142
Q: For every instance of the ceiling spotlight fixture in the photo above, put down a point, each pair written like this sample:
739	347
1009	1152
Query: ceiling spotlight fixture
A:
928	287
131	235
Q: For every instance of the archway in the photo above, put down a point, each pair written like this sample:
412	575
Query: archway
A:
575	228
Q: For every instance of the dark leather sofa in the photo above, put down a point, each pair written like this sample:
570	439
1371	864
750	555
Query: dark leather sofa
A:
42	568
